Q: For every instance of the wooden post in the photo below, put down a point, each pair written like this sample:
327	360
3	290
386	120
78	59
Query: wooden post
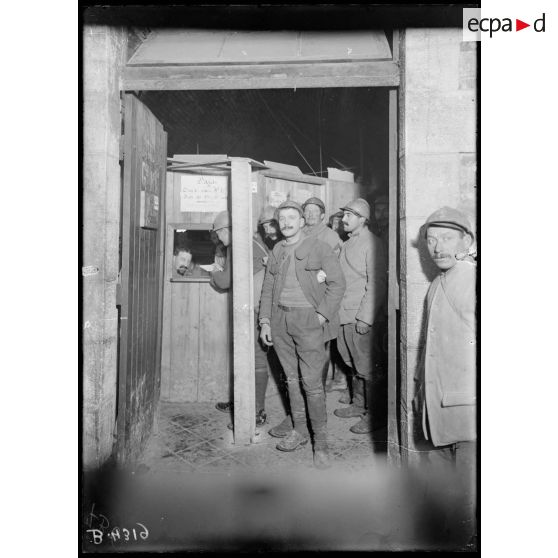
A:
393	285
243	302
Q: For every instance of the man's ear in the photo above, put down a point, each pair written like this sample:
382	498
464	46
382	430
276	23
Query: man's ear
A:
468	240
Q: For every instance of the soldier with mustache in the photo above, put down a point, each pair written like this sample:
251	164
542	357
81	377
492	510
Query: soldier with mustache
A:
446	383
299	314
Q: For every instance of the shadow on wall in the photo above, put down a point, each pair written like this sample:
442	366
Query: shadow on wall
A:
430	270
428	266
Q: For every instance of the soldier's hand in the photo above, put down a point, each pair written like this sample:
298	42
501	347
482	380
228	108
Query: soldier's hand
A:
362	327
265	335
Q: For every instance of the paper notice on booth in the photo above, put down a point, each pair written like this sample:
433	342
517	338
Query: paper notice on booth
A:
204	193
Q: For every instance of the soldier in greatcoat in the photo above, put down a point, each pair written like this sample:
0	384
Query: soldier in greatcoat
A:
446	381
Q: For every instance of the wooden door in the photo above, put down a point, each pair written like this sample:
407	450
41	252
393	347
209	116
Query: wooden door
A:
395	398
142	242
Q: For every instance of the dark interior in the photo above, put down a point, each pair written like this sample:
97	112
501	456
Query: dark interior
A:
345	128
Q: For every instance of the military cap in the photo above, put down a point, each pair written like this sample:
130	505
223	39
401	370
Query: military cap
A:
450	218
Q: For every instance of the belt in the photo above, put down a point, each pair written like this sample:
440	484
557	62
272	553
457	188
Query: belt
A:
291	308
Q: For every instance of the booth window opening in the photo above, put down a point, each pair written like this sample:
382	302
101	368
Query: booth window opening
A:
192	249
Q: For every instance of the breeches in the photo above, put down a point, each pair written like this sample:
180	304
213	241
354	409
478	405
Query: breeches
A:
298	339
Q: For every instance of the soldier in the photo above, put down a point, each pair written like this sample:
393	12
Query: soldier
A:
299	307
221	279
316	227
314	217
362	262
446	382
268	227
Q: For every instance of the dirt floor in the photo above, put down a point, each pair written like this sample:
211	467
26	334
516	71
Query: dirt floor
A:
195	490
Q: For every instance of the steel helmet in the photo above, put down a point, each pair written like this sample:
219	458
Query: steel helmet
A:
450	218
359	207
222	221
286	204
315	201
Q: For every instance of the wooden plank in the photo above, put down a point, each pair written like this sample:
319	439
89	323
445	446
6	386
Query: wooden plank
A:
160	268
214	377
395	48
394	454
125	275
302	178
261	76
184	341
167	307
243	303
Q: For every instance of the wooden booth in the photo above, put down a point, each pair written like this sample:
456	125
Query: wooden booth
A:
200	324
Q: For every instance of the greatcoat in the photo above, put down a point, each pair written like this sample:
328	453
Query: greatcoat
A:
446	395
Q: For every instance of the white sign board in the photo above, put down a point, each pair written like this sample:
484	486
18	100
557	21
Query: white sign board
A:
204	193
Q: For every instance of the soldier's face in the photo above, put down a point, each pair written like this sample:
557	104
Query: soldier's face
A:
351	221
444	244
290	222
270	230
313	214
381	212
182	261
224	236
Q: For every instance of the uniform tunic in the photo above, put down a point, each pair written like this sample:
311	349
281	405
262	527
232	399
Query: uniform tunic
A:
447	375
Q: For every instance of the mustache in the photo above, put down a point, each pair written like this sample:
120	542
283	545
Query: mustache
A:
287	227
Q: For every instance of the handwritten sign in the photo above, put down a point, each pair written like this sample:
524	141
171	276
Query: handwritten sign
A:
203	193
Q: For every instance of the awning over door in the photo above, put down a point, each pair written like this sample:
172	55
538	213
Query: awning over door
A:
184	46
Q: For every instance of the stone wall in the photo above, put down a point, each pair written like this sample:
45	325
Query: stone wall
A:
437	167
104	51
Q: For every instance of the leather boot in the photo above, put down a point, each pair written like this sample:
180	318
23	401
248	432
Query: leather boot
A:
292	442
283	429
363	426
355	409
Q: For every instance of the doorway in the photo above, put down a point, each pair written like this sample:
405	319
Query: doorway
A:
318	132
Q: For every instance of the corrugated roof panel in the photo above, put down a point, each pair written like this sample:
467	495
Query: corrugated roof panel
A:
179	46
183	46
335	45
243	46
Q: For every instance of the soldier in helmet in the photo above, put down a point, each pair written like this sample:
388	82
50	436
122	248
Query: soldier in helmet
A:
446	383
221	280
268	227
298	315
445	396
314	217
362	260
